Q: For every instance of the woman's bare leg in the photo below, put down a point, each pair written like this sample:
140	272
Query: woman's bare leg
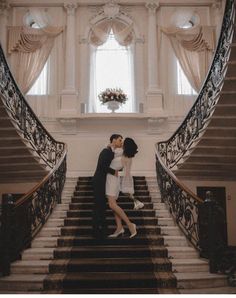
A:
118	223
120	213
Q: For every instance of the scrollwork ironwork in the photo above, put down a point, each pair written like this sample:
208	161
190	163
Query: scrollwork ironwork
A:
182	140
27	123
183	204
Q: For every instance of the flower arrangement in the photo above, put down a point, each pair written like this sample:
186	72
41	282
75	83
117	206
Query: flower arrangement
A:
112	94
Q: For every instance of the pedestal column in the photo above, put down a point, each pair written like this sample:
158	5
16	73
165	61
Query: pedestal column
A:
154	94
69	103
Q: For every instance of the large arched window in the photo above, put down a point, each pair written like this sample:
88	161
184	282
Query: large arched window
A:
113	69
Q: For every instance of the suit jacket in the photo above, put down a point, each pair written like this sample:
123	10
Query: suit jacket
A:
103	168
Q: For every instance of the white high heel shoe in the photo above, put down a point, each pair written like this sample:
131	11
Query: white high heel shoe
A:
116	234
134	233
138	205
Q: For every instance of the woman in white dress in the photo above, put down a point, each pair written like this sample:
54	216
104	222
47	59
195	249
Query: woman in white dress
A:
121	160
127	182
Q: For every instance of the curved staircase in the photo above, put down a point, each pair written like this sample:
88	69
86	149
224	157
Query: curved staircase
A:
204	148
18	161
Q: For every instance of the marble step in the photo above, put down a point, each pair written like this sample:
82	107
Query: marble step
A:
171	231
196	280
44	242
175	241
166	221
21	282
30	267
42	253
182	252
216	290
163	213
189	265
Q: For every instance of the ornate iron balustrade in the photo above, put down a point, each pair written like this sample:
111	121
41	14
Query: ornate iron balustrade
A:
25	119
172	150
21	220
183	204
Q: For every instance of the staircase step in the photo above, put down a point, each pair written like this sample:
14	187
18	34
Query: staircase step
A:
182	252
111	250
87	230
190	265
215	290
30	267
131	265
198	280
140	239
41	253
175	240
109	280
22	282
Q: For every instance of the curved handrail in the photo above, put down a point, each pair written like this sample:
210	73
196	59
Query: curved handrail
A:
21	220
183	203
198	117
28	124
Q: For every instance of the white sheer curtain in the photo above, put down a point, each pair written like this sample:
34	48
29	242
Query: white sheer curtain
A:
30	49
111	63
193	48
111	67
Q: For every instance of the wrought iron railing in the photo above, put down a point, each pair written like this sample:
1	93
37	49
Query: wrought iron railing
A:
27	123
172	150
21	219
183	204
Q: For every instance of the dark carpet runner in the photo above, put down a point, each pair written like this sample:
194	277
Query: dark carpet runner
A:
117	266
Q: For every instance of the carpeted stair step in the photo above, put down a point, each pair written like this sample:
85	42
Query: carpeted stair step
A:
109	280
86	230
88	206
75	212
89	193
121	199
88	240
110	220
110	251
131	265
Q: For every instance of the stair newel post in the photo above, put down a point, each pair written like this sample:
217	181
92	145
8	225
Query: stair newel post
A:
6	233
212	238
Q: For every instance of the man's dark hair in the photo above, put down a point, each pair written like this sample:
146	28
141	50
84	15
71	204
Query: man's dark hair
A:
115	136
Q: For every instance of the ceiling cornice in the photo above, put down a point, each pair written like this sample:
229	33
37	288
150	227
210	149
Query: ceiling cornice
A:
60	3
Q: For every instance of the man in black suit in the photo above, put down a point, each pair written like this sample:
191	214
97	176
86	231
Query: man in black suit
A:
99	184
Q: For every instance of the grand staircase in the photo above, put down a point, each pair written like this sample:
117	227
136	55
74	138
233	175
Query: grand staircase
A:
19	162
65	258
212	155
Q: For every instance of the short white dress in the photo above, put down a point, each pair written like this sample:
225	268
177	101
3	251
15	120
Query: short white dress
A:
124	182
113	182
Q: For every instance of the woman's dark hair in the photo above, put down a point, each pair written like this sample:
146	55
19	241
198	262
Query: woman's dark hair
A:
130	147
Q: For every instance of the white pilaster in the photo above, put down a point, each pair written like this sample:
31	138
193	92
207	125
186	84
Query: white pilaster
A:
154	94
69	103
3	24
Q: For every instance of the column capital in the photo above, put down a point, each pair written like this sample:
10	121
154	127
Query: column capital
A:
152	6
4	7
70	8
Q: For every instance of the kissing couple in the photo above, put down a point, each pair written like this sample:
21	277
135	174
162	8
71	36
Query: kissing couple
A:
116	156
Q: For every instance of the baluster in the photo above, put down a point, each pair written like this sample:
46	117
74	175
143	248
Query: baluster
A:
6	232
